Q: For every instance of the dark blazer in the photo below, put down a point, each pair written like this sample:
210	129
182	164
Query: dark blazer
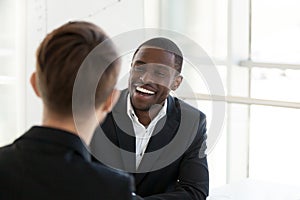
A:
47	163
175	166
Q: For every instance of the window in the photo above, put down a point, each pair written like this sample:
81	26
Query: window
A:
275	31
256	46
204	22
274	144
11	113
274	131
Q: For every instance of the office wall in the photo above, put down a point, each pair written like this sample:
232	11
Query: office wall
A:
114	16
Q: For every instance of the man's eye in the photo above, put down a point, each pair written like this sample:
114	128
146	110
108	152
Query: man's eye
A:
160	74
138	69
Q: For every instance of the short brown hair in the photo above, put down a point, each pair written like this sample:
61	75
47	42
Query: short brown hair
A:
59	58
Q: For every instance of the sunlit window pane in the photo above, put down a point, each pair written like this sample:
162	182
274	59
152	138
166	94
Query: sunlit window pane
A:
8	110
276	84
8	93
205	22
276	30
274	144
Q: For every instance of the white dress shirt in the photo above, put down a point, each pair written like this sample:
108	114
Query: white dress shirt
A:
142	133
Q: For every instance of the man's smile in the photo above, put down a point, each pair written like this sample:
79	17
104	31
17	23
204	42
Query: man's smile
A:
144	90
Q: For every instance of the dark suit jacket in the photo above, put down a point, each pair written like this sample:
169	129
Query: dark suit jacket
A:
47	163
176	167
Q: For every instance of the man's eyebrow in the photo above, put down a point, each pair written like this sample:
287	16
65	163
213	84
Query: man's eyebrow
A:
139	62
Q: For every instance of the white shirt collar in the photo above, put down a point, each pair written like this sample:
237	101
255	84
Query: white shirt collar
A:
132	115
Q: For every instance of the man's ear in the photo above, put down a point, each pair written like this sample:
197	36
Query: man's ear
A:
33	81
108	105
176	83
111	101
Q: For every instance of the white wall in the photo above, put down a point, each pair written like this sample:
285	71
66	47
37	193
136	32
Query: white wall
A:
114	16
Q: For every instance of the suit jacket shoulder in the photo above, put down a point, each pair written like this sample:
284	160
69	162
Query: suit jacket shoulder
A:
53	164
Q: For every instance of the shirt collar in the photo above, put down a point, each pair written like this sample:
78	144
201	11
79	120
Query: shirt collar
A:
132	115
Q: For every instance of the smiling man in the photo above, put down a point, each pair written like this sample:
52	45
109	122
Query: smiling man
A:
161	139
152	75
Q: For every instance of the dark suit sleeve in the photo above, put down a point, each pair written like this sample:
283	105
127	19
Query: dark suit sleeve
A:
193	179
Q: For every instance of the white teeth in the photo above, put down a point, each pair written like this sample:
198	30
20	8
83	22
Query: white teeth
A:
143	90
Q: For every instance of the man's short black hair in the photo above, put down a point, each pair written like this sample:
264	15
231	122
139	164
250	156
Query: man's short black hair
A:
168	45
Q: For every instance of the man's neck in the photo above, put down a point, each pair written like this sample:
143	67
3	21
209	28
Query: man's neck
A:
63	124
145	117
66	123
54	120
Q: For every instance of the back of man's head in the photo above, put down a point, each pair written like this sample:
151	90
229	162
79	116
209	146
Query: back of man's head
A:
60	56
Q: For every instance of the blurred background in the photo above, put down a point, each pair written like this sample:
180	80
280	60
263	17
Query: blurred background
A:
254	44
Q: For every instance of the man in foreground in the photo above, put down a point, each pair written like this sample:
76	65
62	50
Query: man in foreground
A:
51	161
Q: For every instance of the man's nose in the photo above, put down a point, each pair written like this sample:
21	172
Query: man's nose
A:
147	77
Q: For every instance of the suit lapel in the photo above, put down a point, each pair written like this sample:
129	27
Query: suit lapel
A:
164	132
125	133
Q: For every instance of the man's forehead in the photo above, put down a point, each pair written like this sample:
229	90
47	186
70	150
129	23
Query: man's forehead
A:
149	54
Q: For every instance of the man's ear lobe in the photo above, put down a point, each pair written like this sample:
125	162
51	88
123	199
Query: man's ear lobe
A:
176	82
33	81
111	101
